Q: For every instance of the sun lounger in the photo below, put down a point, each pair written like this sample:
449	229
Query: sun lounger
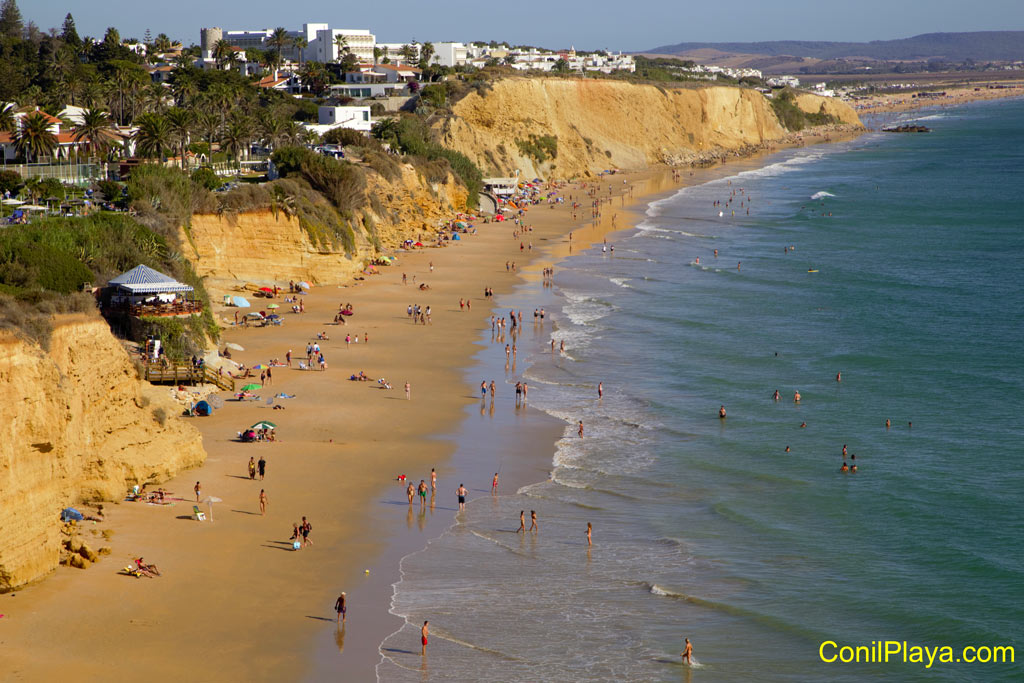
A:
198	514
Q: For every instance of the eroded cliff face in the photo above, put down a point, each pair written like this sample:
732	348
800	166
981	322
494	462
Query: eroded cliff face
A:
601	124
77	425
267	247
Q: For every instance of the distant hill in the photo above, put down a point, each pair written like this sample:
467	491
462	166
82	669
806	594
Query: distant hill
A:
956	47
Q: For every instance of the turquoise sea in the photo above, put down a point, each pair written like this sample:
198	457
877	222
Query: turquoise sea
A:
707	528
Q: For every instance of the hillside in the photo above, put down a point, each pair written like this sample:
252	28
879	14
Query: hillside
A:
955	47
591	125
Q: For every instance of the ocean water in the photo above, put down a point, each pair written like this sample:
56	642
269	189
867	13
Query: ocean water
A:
707	528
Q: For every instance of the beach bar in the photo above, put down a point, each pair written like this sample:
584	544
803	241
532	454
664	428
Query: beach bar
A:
143	291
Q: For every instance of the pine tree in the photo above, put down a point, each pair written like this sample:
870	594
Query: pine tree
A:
11	25
68	32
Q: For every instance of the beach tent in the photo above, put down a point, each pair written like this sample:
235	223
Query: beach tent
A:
240	301
264	424
68	514
203	408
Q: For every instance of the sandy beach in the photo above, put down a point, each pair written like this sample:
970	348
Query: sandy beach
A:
955	95
234	601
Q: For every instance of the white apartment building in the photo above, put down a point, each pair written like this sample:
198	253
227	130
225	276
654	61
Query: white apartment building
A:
355	118
450	54
324	47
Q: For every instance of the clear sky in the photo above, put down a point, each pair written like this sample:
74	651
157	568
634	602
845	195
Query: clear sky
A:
630	25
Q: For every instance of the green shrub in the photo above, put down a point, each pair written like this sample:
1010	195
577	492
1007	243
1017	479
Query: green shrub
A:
344	136
539	147
205	177
10	181
794	118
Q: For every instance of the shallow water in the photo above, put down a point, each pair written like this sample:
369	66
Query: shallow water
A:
708	528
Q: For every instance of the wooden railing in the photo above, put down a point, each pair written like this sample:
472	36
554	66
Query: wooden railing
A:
158	310
186	374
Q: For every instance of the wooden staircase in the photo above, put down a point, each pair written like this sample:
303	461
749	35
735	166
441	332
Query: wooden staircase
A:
186	374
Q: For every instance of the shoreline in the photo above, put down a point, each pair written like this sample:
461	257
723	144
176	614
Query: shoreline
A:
184	619
906	101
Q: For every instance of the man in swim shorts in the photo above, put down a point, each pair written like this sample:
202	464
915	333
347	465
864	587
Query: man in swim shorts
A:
339	606
423	492
424	632
461	492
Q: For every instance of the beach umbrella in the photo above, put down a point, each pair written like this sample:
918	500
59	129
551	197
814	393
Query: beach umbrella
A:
260	366
252	387
273	316
235	347
33	207
210	500
273	306
13	202
264	424
303	284
266	289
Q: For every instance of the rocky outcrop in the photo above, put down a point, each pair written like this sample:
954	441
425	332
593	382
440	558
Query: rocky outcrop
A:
599	124
77	425
814	104
267	247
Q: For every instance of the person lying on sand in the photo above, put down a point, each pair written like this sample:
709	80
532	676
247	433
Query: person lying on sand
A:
148	569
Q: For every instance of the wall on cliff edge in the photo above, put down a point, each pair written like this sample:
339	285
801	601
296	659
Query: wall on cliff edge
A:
267	247
76	426
602	124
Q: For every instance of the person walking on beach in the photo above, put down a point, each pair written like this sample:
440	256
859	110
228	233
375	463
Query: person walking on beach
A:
424	632
423	493
262	467
288	357
522	522
580	430
461	492
533	521
433	480
252	468
408	391
494	484
270	376
263	502
339	607
590	529
198	489
600	389
483	389
411	492
687	654
492	389
305	528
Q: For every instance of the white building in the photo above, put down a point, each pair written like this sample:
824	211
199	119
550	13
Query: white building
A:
324	46
450	54
355	118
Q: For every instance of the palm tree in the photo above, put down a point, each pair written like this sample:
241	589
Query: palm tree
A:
236	136
180	122
155	96
35	137
279	39
300	44
126	76
8	124
209	124
426	52
184	86
222	52
378	52
408	54
272	129
152	137
341	42
97	128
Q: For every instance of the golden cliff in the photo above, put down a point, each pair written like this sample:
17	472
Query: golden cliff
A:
266	246
77	426
600	124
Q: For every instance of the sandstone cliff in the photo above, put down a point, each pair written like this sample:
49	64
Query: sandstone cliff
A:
77	425
266	247
601	124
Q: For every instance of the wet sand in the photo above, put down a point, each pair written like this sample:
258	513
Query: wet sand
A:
235	602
